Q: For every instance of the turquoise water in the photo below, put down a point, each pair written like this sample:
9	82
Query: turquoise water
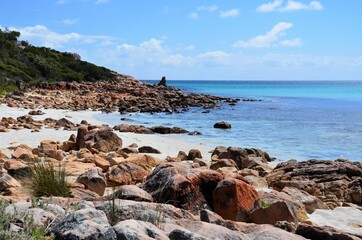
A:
295	120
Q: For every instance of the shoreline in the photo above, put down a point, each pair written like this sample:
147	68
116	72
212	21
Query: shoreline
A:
169	144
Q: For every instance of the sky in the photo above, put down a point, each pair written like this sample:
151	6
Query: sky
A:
199	39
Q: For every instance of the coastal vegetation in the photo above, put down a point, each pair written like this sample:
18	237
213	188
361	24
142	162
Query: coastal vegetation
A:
23	65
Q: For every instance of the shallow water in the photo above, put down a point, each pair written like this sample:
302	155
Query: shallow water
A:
300	120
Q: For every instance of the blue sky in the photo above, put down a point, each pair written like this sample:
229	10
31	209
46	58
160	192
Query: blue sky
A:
203	40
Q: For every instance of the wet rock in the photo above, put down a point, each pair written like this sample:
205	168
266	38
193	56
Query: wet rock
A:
168	130
222	125
36	112
235	200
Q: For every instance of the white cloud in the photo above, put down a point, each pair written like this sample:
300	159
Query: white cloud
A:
69	21
270	6
277	6
266	40
45	37
211	8
214	58
193	15
229	13
297	42
152	52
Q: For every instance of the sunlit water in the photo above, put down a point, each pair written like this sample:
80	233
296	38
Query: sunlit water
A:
300	120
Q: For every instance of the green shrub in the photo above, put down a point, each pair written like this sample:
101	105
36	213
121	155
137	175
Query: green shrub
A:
48	181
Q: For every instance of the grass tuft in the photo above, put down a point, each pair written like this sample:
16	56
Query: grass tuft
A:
48	181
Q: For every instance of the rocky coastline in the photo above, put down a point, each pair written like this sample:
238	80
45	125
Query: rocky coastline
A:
119	191
126	95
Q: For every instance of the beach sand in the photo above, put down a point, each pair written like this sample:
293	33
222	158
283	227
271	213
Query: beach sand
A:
169	145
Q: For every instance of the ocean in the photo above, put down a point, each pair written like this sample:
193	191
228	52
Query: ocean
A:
295	119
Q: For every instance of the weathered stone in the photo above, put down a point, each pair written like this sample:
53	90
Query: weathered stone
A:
94	180
182	186
132	192
194	153
235	200
17	169
133	229
99	162
24	152
6	181
325	233
86	223
126	173
278	211
327	180
311	203
148	149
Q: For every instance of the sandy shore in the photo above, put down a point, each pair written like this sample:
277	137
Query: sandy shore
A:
169	145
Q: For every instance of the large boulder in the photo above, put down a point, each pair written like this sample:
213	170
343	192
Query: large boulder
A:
252	158
126	173
132	192
148	149
235	200
194	153
278	211
24	152
94	180
88	223
327	180
100	138
182	186
294	205
17	169
311	203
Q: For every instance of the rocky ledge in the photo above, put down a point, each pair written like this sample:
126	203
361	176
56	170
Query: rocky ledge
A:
125	95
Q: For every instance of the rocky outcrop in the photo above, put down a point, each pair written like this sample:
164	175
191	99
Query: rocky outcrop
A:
149	130
235	200
100	138
125	95
325	233
126	173
331	181
182	186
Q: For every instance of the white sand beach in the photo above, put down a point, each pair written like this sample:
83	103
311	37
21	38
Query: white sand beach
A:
169	145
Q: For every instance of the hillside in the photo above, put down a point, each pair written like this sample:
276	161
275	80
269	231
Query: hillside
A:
23	65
